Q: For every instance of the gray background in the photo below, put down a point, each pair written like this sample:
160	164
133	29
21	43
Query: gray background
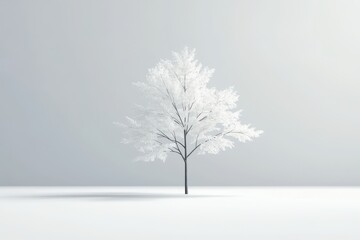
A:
66	69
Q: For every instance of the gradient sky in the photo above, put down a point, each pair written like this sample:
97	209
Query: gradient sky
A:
66	69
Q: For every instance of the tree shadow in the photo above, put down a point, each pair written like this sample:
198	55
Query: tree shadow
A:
123	196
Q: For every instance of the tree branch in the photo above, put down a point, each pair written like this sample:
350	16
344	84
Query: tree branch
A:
216	135
178	114
176	141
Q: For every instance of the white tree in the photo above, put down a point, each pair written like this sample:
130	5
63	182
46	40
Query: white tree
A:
184	115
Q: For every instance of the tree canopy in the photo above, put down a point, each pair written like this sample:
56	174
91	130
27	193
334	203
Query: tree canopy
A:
183	115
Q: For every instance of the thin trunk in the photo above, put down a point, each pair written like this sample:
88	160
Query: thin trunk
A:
186	185
185	160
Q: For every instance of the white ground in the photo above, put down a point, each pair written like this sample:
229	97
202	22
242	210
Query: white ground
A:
127	213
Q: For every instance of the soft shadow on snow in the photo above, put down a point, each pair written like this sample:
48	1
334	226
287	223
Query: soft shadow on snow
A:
116	196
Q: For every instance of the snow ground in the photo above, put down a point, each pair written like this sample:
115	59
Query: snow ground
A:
126	213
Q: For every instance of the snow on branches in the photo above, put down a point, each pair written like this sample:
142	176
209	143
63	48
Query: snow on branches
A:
183	114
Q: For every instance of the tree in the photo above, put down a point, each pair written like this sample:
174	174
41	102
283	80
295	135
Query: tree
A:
183	115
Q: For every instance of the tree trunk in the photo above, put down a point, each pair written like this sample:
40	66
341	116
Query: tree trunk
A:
185	160
186	185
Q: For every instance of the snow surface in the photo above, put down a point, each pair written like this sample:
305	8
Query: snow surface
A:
122	213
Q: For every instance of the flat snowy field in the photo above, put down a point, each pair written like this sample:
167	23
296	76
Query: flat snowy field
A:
125	213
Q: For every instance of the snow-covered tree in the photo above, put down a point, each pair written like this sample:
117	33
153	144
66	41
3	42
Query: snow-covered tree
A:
183	115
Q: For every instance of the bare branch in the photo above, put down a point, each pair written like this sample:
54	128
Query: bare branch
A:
178	114
203	118
188	130
176	141
191	105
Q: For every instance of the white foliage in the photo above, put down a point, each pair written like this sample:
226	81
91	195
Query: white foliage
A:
183	114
